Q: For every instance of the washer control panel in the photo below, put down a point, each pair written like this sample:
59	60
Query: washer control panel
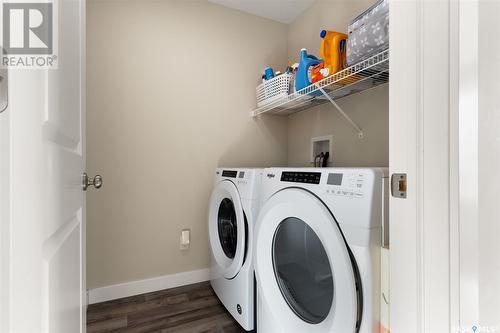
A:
346	184
301	177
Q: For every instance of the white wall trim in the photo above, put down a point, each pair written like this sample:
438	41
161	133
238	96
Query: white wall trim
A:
132	288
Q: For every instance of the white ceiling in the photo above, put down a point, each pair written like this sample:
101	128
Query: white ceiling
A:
284	11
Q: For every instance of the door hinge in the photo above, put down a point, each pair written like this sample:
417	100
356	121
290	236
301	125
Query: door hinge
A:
399	185
4	89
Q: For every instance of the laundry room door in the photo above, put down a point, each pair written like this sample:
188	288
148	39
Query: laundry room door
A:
227	229
42	140
303	266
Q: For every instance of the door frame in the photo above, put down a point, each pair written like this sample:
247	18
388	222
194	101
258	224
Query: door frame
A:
434	139
4	219
421	100
83	96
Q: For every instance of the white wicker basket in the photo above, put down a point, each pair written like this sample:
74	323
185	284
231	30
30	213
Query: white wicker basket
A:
273	89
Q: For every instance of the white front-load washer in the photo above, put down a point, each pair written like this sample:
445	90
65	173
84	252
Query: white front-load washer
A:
232	213
317	250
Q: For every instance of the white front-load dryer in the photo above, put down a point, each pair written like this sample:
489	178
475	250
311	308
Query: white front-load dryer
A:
317	250
232	213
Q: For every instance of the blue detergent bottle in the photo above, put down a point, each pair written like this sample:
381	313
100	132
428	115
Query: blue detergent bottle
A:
303	77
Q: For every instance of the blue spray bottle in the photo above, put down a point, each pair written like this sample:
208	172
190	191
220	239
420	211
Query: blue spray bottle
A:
303	77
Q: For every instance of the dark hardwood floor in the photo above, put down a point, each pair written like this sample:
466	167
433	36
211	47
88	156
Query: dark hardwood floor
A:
193	308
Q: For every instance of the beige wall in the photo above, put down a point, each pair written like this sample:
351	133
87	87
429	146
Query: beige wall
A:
369	109
169	88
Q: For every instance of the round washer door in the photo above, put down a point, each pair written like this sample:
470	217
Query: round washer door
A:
226	227
303	266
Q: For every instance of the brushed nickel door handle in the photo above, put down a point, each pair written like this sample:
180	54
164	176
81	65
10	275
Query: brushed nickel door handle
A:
88	181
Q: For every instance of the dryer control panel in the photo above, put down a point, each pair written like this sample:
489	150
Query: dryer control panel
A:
247	180
229	173
346	184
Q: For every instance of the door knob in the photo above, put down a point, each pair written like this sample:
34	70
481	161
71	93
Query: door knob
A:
88	181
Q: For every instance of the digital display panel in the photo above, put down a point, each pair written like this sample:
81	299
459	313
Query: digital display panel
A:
335	179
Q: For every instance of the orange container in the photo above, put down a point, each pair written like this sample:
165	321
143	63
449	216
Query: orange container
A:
317	73
333	50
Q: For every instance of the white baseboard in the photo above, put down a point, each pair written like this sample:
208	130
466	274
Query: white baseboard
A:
126	289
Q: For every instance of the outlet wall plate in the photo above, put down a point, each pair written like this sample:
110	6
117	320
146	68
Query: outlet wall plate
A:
185	239
322	144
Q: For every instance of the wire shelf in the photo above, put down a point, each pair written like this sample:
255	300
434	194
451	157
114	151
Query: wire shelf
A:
364	75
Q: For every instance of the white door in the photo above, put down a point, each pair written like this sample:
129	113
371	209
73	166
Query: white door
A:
227	229
303	268
42	203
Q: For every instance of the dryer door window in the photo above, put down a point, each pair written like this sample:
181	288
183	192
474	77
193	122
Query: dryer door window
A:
227	227
302	270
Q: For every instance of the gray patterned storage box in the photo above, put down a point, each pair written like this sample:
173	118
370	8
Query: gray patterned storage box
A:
368	34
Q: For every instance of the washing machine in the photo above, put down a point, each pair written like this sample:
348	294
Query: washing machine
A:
317	249
232	214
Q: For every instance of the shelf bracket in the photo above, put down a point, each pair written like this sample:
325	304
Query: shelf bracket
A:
358	129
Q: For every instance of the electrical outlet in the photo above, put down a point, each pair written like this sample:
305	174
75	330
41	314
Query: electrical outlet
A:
185	239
